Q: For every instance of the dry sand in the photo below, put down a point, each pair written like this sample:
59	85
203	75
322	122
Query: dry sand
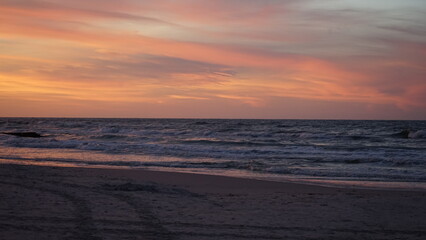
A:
76	203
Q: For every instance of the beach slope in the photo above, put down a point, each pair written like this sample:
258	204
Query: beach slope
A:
84	203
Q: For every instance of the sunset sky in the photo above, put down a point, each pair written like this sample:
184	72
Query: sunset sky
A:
339	59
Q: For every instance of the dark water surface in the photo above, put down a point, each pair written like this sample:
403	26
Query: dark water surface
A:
325	150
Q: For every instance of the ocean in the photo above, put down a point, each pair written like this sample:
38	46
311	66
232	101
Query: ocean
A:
386	154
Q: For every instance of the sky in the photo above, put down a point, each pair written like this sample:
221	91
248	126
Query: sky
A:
286	59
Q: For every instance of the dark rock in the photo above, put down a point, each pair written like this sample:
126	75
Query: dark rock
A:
24	134
403	134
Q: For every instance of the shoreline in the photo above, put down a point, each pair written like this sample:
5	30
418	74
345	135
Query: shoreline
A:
332	183
329	183
42	202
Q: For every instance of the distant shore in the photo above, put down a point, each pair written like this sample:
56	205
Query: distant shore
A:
84	203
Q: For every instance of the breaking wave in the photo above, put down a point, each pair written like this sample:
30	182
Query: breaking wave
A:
363	150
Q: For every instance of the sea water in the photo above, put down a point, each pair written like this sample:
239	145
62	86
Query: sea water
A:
368	153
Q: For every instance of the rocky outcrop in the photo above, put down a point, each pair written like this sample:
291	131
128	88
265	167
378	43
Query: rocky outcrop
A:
24	134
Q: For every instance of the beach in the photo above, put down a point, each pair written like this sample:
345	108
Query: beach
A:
212	120
40	202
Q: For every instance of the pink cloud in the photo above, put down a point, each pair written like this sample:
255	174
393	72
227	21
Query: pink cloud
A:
249	52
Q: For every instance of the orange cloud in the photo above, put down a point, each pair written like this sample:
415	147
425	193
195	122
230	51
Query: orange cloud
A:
249	52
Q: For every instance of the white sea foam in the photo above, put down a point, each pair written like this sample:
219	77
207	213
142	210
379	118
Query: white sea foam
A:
417	134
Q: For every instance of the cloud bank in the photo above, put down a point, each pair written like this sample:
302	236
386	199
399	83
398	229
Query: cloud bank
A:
251	59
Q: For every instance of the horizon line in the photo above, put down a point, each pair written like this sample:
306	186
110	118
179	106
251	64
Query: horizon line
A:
215	118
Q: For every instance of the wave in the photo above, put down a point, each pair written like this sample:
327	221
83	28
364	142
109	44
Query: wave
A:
419	134
373	173
274	147
109	136
250	165
227	143
225	149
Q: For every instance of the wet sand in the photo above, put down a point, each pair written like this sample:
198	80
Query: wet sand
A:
76	203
